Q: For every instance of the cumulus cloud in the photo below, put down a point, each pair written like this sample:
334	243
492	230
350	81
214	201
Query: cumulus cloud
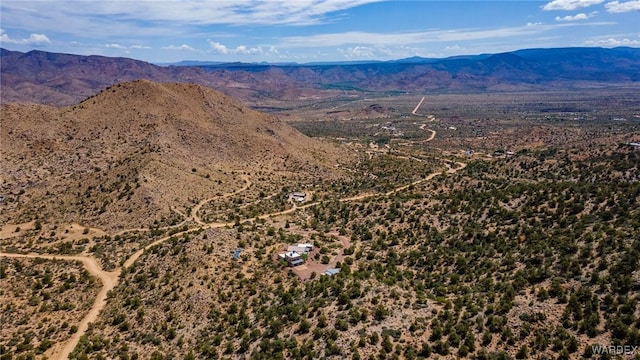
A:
273	51
183	47
621	7
33	39
570	4
577	17
369	52
248	50
218	48
357	52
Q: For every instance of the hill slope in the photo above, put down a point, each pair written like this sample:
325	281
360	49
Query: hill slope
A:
127	155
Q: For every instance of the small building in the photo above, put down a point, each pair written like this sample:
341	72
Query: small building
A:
308	246
634	144
296	262
331	271
298	196
236	254
298	249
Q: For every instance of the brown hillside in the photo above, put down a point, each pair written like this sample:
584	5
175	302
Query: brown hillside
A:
137	149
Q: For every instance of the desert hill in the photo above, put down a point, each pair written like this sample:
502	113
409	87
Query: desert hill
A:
138	149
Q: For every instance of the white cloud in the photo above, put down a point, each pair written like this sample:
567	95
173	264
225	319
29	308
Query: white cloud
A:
570	4
273	51
120	46
577	17
183	47
357	52
612	42
248	50
218	48
621	7
33	39
115	46
170	17
421	37
377	52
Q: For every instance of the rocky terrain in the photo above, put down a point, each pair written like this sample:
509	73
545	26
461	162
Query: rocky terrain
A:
146	222
129	155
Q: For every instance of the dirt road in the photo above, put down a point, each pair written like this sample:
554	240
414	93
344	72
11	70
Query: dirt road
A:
414	112
194	211
451	170
109	281
433	135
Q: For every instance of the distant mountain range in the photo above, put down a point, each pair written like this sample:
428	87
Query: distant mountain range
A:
63	79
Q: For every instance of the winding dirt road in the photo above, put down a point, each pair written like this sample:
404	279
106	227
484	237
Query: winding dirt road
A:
196	209
433	135
110	279
169	227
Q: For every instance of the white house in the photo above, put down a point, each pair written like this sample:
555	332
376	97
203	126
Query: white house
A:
298	196
308	246
292	258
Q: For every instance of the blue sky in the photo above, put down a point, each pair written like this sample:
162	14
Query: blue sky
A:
312	30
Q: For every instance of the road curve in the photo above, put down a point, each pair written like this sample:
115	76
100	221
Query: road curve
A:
194	211
109	281
433	135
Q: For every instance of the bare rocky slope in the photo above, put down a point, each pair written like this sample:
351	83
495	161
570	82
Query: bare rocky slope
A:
135	150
